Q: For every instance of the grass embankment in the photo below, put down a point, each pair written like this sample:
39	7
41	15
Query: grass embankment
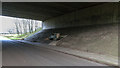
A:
22	36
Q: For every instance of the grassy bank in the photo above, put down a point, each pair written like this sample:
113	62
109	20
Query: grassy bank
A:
22	36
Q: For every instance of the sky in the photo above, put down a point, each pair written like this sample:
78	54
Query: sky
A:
7	23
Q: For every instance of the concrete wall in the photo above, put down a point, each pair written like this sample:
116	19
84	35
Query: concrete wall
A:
100	39
101	14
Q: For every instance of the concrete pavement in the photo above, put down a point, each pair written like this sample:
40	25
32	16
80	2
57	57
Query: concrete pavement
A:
99	58
21	54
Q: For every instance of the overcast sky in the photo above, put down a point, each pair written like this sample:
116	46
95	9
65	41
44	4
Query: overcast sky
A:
7	23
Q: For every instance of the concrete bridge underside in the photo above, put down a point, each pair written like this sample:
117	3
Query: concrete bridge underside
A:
90	26
64	14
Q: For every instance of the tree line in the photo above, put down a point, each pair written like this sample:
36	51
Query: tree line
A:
25	26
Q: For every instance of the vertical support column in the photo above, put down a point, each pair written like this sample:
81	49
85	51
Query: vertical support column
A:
0	40
118	20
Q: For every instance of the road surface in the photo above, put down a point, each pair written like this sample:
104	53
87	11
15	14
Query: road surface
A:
3	38
15	53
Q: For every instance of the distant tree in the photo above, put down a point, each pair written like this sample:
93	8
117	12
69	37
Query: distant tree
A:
25	25
20	27
31	27
11	31
36	25
17	26
24	21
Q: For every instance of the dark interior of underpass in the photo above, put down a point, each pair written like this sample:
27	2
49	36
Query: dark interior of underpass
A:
91	27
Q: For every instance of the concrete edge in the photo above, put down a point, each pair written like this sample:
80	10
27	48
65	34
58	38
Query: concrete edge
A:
91	58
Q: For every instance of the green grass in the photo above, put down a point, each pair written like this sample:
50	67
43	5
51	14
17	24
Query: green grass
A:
29	34
22	36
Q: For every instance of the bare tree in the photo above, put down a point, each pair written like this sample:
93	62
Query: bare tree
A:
36	25
24	25
31	27
17	27
20	27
